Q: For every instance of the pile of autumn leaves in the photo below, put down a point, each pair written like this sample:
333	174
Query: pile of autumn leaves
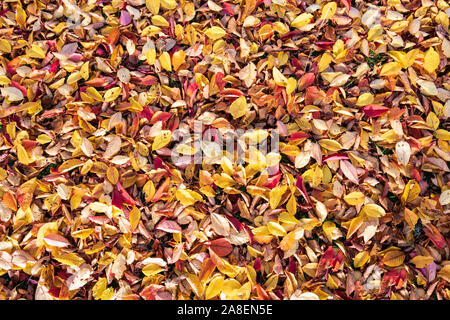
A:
354	206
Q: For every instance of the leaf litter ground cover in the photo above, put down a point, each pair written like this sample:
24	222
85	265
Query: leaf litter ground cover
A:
243	149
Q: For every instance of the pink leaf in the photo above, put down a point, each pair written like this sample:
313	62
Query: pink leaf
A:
125	18
56	240
349	171
169	226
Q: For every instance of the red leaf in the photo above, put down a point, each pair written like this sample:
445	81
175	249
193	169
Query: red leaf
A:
222	247
124	194
150	291
147	113
435	236
257	264
235	222
324	45
18	86
325	261
301	187
160	116
249	233
306	80
297	136
272	181
336	156
374	110
346	3
219	80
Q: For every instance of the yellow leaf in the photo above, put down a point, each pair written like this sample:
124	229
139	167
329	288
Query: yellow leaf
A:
265	32
5	46
302	20
271	283
279	78
432	60
332	282
153	6
112	94
70	259
287	218
215	287
390	69
442	134
361	259
394	258
99	246
178	58
354	198
255	136
151	55
411	218
149	190
365	99
288	241
21	16
375	32
23	156
328	228
239	107
159	21
328	10
112	174
82	234
291	85
276	229
422	261
325	61
43	139
99	289
162	139
187	197
354	225
215	33
152	269
433	120
169	4
291	206
445	273
84	70
94	94
35	52
275	196
164	59
135	217
411	192
329	144
372	210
